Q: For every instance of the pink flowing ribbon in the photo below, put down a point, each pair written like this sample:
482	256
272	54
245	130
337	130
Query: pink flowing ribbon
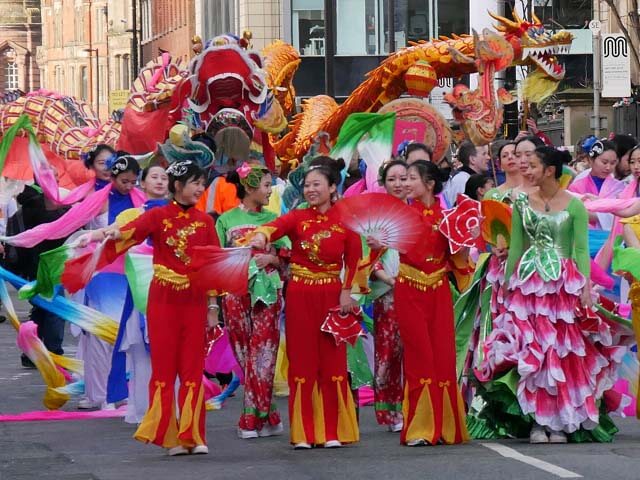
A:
78	216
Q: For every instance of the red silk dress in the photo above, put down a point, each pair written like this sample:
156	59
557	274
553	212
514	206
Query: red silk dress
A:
321	407
176	317
433	409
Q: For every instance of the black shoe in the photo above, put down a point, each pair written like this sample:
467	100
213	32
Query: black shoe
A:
26	362
3	319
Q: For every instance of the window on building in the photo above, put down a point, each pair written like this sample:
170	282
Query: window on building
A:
116	75
126	71
84	84
57	29
360	28
572	14
99	19
426	19
102	87
145	19
72	81
219	18
11	75
307	26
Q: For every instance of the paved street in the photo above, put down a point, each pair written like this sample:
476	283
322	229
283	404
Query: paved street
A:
103	449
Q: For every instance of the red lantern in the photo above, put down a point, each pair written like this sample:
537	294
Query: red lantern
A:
420	79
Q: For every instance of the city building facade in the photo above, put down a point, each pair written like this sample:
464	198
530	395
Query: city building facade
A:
167	26
86	49
20	35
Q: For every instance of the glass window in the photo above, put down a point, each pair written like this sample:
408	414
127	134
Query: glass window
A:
12	75
84	86
360	27
417	20
126	71
563	13
307	26
219	18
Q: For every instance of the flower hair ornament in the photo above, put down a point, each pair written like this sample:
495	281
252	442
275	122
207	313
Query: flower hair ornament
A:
402	148
251	175
596	149
178	169
116	164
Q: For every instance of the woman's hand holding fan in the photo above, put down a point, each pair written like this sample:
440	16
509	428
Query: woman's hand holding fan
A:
382	219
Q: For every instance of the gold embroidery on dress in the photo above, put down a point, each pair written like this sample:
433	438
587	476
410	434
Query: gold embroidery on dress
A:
167	224
180	243
319	219
313	248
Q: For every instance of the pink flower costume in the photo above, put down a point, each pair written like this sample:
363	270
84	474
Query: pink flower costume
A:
559	361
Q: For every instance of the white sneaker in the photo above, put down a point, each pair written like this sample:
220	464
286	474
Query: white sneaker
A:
301	446
271	430
200	450
557	437
107	406
86	404
247	434
332	444
417	442
179	450
538	435
396	427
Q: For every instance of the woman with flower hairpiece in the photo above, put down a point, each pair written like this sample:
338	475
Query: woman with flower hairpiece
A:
107	290
321	406
252	319
177	313
388	346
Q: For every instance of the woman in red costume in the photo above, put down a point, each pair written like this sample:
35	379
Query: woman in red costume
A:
321	407
176	313
433	409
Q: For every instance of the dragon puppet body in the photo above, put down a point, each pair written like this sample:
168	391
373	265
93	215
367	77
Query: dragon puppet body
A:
226	84
524	43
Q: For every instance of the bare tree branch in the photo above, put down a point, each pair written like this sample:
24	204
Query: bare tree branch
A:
633	16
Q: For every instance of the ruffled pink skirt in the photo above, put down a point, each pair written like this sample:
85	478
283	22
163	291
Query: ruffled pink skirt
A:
566	360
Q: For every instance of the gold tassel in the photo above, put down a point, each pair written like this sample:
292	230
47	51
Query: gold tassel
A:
148	428
422	424
297	425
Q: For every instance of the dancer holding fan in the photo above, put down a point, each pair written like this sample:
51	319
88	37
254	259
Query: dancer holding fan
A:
388	347
433	409
321	406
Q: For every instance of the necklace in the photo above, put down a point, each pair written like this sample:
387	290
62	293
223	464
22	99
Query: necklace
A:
547	207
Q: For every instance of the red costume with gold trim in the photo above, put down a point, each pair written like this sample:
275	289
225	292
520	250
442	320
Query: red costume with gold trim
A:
433	409
321	407
176	323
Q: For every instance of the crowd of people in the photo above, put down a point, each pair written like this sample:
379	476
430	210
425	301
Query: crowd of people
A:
542	353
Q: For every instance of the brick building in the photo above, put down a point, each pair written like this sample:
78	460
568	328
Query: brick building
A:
20	34
86	49
166	25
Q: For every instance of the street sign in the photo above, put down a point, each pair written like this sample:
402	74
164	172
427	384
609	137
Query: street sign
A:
118	99
616	66
595	26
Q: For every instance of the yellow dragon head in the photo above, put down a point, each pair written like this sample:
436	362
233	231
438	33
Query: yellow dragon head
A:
532	44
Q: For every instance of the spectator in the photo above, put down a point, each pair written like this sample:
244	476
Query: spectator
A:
474	160
478	185
624	144
417	151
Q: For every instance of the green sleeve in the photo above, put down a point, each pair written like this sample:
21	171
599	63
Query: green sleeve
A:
580	236
516	244
221	230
